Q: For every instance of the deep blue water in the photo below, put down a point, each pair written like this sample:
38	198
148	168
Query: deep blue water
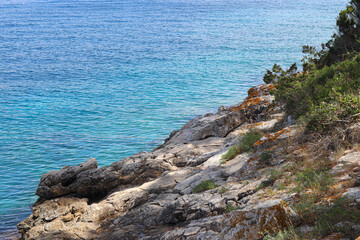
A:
106	79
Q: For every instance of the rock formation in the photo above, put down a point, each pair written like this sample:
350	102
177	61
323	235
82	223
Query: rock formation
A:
150	194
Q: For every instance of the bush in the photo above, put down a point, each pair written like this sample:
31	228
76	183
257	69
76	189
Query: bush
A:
276	174
325	98
329	218
231	153
266	156
222	190
249	139
203	186
245	144
316	180
230	207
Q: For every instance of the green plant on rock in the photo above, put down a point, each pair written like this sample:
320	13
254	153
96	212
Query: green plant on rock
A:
336	217
231	153
287	234
230	207
275	174
222	161
333	218
222	190
318	181
203	186
281	186
266	156
249	139
325	98
245	144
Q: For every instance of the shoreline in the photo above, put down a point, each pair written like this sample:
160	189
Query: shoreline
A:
193	186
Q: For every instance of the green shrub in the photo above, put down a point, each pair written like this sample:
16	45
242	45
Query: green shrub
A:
323	98
230	207
325	217
222	190
245	144
341	211
318	181
203	186
266	156
290	234
231	153
275	174
326	115
281	186
250	138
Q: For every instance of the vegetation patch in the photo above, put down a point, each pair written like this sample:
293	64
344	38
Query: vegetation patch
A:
223	190
245	144
316	180
266	156
203	186
230	207
231	153
324	98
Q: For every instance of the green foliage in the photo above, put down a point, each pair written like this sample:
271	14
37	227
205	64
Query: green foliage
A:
281	186
307	208
250	138
231	153
324	98
276	174
278	73
326	94
290	234
222	161
203	186
230	207
245	144
327	217
261	186
346	40
326	115
266	156
222	190
316	180
341	211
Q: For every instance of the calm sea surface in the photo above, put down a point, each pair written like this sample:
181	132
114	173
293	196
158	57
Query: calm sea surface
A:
109	78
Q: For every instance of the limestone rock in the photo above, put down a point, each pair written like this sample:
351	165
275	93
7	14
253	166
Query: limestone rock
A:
348	159
58	219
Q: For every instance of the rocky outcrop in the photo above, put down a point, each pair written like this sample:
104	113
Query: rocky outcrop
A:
150	194
219	124
248	223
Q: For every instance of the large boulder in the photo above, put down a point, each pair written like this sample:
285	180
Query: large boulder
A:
86	180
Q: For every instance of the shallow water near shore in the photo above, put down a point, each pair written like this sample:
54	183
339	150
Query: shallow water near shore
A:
107	79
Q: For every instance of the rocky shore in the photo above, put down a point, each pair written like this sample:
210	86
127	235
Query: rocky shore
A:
150	195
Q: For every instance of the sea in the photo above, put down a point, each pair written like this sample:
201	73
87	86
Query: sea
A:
109	78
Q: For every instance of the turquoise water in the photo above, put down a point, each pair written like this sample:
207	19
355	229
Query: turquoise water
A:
107	79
